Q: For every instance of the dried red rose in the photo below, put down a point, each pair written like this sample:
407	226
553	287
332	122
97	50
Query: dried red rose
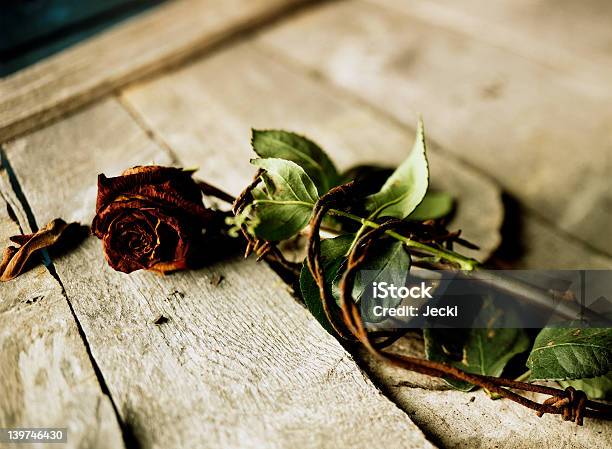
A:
150	218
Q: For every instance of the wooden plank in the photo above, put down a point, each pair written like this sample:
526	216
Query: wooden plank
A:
46	376
244	87
515	119
546	248
240	364
167	35
572	37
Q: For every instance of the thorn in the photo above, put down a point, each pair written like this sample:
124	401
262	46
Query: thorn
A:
247	251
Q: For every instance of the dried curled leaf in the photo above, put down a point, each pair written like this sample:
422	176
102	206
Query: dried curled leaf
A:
15	259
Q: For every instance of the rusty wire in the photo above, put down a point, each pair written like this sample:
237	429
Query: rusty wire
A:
346	320
572	404
313	259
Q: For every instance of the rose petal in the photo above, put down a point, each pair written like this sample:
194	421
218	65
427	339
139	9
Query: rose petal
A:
117	250
169	267
150	217
119	261
137	177
21	239
104	218
169	198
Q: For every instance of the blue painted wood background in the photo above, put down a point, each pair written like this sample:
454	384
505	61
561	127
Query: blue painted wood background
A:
31	30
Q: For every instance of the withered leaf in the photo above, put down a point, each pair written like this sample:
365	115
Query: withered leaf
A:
15	259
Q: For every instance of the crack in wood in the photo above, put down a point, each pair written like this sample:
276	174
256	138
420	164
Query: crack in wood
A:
128	437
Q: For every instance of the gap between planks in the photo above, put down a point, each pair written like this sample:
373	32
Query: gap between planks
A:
47	375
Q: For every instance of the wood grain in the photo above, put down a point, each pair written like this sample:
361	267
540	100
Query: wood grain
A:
205	113
46	377
539	134
572	37
239	364
167	35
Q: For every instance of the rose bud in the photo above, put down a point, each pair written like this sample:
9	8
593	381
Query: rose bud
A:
150	218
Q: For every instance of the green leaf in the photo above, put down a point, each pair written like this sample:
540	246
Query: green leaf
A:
283	203
387	261
563	354
332	256
434	205
480	351
298	149
596	387
404	190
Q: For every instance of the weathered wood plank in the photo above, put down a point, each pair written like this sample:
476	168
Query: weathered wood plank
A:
516	119
573	37
46	377
166	35
541	247
233	91
240	364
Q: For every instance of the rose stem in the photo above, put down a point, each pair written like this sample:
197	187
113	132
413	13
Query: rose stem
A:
465	263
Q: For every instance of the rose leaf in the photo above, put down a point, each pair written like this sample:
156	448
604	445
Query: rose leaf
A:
333	253
283	202
434	205
481	351
387	262
564	354
596	387
405	188
295	148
